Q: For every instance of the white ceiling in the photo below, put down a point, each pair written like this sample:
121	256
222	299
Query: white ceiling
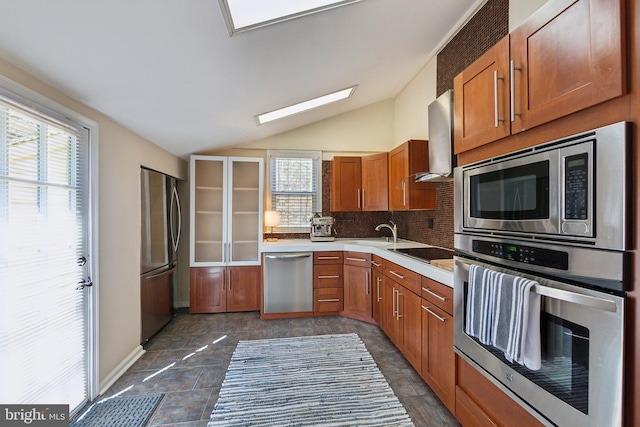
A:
168	70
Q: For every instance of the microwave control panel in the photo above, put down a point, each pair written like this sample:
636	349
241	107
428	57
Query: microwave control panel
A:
576	188
524	254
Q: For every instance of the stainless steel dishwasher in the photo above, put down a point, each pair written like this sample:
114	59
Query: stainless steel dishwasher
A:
288	282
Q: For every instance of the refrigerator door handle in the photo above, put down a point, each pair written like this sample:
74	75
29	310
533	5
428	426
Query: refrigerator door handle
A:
175	239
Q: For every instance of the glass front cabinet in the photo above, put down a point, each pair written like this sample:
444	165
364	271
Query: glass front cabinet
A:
226	210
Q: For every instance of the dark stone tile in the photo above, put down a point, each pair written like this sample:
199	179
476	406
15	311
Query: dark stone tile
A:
185	406
192	385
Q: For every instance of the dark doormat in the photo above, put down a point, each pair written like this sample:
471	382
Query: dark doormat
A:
134	411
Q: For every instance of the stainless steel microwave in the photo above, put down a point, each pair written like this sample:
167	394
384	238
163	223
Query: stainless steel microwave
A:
574	190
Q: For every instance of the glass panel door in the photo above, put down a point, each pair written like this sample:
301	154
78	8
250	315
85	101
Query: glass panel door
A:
208	216
44	268
246	203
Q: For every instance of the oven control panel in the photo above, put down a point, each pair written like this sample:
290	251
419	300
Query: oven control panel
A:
524	254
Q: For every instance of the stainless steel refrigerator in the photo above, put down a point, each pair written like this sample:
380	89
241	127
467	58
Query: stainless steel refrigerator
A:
161	228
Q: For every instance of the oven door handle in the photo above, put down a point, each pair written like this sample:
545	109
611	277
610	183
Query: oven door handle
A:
562	295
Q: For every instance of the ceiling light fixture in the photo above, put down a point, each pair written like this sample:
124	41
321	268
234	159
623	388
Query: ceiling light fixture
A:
243	15
306	105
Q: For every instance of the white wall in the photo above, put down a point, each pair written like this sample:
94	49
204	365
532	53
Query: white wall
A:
410	106
121	153
365	130
520	10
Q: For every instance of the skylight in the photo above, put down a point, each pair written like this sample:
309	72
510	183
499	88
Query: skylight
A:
306	105
243	15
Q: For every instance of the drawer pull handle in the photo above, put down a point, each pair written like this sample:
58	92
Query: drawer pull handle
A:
357	259
441	298
329	300
442	319
328	277
328	257
396	274
375	263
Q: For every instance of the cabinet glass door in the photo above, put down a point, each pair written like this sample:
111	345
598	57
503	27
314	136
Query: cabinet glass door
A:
246	203
208	202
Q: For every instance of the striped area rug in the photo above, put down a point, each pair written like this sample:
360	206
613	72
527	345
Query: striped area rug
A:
326	380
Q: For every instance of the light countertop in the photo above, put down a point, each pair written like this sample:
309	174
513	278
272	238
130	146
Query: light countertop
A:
375	246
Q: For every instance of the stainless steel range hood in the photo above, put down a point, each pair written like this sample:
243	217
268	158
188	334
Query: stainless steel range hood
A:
441	160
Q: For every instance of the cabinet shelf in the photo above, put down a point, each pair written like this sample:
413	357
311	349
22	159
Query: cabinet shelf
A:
209	212
203	187
208	242
245	242
246	213
245	189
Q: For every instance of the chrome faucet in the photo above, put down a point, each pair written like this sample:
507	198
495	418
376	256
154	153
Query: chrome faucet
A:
393	229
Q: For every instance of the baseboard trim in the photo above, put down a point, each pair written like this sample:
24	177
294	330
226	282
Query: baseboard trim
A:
122	367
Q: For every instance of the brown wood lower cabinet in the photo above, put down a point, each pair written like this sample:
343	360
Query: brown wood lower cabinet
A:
222	289
402	319
480	403
357	286
438	358
328	275
376	289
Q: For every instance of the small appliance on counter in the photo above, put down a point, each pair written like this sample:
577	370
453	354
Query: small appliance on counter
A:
322	228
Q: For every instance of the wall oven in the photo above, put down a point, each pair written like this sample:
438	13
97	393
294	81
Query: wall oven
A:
552	217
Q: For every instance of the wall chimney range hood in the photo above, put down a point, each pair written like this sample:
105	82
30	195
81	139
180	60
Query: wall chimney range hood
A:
441	160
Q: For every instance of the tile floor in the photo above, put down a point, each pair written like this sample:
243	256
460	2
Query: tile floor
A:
191	384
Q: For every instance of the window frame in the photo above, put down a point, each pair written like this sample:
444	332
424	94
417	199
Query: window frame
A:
305	154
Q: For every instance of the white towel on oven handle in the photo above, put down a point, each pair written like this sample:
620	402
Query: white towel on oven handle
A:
516	320
480	301
484	294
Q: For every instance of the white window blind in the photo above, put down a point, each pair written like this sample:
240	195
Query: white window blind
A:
42	315
295	185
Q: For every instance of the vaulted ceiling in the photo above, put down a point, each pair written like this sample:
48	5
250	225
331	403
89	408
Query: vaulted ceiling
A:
169	71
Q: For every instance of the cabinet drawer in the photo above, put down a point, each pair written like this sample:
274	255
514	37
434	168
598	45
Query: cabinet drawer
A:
358	259
407	278
327	276
328	257
327	300
437	293
376	263
468	413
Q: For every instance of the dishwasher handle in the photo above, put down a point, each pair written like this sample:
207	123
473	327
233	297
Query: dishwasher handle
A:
287	256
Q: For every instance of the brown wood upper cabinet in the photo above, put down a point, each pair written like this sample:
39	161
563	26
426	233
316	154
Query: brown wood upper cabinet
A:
359	183
404	193
567	56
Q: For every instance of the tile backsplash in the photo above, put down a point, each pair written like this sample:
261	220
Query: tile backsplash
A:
433	227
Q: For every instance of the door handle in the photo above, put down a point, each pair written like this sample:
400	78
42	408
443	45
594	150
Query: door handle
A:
84	283
442	319
495	97
512	88
175	240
